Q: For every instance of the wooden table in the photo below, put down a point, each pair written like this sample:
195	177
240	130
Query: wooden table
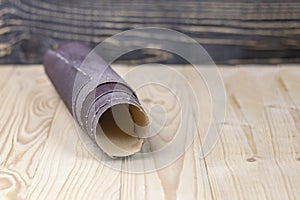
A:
257	156
231	31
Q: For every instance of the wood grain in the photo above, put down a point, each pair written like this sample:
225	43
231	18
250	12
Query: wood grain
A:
26	114
257	156
172	180
67	170
231	31
254	158
185	178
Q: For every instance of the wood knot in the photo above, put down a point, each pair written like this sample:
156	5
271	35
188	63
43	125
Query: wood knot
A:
298	159
252	159
31	47
146	100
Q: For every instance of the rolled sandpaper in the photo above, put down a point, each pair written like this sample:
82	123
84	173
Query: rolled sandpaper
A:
101	102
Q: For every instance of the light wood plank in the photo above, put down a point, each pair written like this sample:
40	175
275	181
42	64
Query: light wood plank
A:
186	177
257	156
6	72
67	170
254	158
26	113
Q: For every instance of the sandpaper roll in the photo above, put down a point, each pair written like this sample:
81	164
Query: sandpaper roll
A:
101	102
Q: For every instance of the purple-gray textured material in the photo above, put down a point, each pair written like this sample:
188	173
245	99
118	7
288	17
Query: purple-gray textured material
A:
88	88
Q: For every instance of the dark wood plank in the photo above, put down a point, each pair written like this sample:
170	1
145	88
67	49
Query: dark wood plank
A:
232	32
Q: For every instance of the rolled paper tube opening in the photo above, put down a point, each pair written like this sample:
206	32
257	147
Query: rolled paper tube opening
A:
116	131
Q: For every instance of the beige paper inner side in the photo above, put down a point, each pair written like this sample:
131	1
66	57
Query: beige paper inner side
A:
116	134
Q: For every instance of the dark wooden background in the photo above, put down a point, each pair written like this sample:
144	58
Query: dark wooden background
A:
232	32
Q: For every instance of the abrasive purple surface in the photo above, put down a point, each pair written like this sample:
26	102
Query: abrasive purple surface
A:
70	79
